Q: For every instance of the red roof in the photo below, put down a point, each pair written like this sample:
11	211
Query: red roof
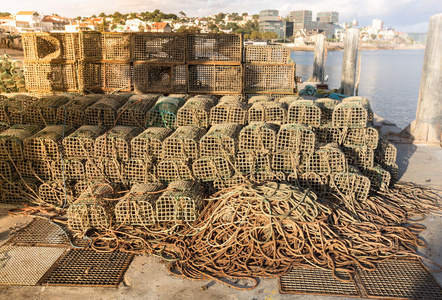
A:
159	25
25	13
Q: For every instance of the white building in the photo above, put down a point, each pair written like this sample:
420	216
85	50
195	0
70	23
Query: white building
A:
377	24
28	21
135	24
54	23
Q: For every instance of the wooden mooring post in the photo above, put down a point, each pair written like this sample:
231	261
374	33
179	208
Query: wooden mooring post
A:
349	61
427	127
319	60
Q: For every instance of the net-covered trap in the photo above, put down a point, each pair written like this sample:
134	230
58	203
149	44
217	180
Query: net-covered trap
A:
268	111
40	169
352	184
183	144
210	168
138	170
56	193
81	143
180	203
19	191
214	48
196	112
258	98
159	78
148	144
267	54
164	112
310	180
159	47
90	45
51	76
172	170
258	136
362	137
90	76
326	159
11	141
297	138
44	46
12	109
91	210
73	112
45	144
269	78
115	143
104	111
286	161
7	171
365	103
216	79
362	157
327	106
350	114
220	140
233	111
251	162
326	134
137	208
109	170
304	112
386	153
116	46
68	169
133	112
379	177
44	110
235	180
288	99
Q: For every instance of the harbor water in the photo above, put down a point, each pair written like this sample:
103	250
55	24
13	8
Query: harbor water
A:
390	79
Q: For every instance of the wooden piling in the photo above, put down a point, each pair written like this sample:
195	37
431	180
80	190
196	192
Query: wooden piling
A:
349	61
427	127
319	60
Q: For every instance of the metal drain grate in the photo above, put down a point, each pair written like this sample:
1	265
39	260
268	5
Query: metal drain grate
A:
26	265
403	279
84	267
41	232
316	281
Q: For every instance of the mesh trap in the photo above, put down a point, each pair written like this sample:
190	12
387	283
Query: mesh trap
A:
304	112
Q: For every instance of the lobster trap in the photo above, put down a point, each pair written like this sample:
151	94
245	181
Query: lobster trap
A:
361	137
116	76
39	169
268	54
159	78
181	203
286	161
379	177
195	112
304	112
214	48
148	144
211	168
7	171
350	114
326	134
258	98
44	110
116	46
11	141
310	180
68	169
163	113
104	111
138	170
365	103
183	144
90	45
215	79
133	112
362	157
46	144
269	78
159	47
19	191
296	138
268	111
289	99
104	170
235	180
115	143
327	106
386	152
12	109
45	47
258	136
51	76
81	143
56	193
325	159
229	110
137	208
220	140
251	162
353	185
73	112
173	170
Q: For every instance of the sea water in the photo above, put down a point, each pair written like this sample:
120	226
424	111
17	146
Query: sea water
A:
390	79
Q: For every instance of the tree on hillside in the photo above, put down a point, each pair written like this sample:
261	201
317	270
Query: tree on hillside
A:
244	14
4	14
182	14
190	29
102	15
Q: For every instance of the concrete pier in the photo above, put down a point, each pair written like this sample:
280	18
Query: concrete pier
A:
349	61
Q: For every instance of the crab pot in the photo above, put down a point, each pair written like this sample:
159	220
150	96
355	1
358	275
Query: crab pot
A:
39	169
386	152
45	144
91	210
265	176
159	47
45	47
362	157
51	76
103	112
286	161
163	113
310	180
12	109
11	141
81	143
7	171
195	112
182	204
271	112
56	193
211	168
229	111
258	136
138	170
19	191
116	46
362	137
365	103
172	170
159	78
73	113
90	45
296	138
115	143
235	180
148	144
250	162
353	185
44	110
220	140
326	134
104	170
137	208
117	76
288	99
214	48
268	54
269	78
304	112
393	169
379	177
183	144
350	114
326	159
133	113
68	169
233	98
327	106
90	76
215	79
258	98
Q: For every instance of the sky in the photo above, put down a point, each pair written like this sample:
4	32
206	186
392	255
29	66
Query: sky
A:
402	15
